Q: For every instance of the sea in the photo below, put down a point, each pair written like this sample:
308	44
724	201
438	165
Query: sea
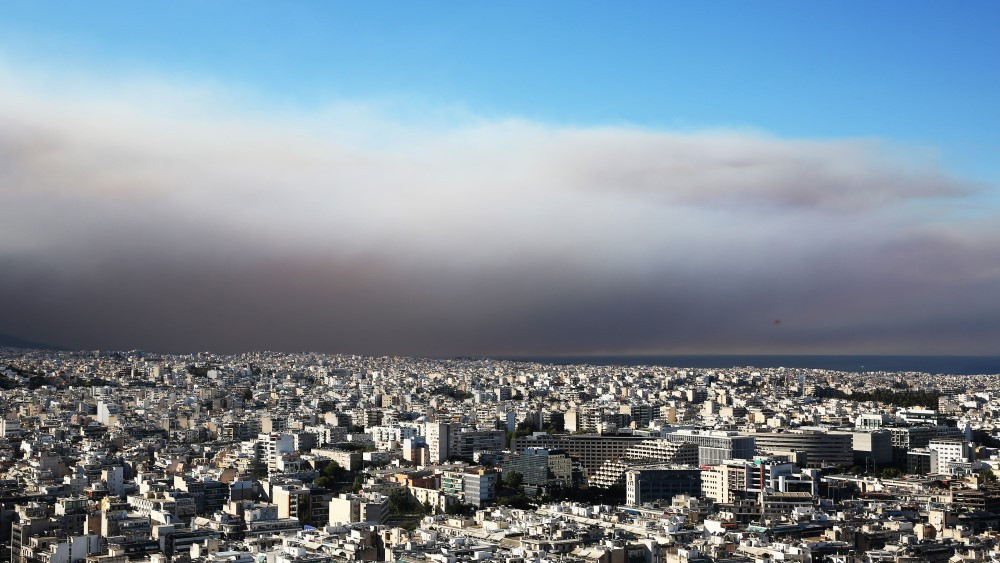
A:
952	365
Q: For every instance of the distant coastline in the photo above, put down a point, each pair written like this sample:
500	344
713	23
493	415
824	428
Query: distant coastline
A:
954	365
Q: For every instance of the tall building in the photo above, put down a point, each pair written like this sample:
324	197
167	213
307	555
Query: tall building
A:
541	468
821	448
480	486
272	446
736	479
640	414
440	437
612	472
31	521
310	505
372	508
871	447
906	438
469	441
591	450
949	452
660	482
716	446
107	413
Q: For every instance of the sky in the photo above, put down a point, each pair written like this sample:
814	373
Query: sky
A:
518	178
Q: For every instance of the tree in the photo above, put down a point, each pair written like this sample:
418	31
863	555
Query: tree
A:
987	476
336	478
513	481
882	395
333	469
518	501
460	509
400	502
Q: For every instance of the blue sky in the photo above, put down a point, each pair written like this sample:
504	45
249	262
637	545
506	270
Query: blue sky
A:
502	178
922	73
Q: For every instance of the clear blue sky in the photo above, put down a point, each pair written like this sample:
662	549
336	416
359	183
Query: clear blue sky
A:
924	73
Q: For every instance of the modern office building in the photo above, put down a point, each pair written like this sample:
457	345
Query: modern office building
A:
949	451
612	472
742	478
715	446
660	482
591	450
906	438
468	441
349	508
822	449
871	447
541	468
921	461
480	486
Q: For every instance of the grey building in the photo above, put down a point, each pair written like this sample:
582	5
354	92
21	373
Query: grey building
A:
821	448
658	482
715	446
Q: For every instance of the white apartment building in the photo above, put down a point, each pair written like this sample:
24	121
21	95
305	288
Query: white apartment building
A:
948	451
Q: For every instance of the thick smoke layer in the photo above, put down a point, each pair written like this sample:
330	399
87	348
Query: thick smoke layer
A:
168	222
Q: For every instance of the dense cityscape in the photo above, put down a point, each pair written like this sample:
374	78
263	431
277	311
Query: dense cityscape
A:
579	281
114	457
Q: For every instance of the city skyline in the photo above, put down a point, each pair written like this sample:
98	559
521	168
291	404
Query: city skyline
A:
557	179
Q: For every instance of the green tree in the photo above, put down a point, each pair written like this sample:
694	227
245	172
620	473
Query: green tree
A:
460	509
887	395
333	470
335	478
513	482
517	501
513	479
400	502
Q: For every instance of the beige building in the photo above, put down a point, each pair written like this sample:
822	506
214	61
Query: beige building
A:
347	508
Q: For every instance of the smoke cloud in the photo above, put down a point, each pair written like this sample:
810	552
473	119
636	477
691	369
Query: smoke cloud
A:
161	218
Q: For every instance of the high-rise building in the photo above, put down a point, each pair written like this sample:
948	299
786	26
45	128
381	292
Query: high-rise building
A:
541	468
746	478
440	436
591	450
660	482
821	448
715	446
660	451
371	508
480	486
949	452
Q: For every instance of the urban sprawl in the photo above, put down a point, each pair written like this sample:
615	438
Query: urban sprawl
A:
115	457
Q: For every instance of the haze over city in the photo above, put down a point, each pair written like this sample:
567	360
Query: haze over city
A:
497	179
521	282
